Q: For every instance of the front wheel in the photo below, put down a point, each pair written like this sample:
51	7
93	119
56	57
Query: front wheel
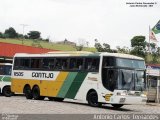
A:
117	105
7	91
92	98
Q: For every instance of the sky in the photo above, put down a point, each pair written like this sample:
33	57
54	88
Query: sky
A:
110	21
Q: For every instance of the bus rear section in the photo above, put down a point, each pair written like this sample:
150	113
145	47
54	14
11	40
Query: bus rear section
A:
5	79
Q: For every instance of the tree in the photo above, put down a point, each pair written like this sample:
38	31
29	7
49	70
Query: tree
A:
34	35
11	33
102	48
80	45
1	35
123	50
20	36
138	44
26	37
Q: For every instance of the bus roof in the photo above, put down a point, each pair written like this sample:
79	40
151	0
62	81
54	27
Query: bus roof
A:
77	53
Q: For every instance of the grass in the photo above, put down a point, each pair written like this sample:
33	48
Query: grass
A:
44	44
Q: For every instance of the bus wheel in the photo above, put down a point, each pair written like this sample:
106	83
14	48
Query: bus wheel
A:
7	91
92	98
117	105
36	93
28	92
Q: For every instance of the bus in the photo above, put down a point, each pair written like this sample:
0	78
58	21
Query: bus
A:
94	78
5	79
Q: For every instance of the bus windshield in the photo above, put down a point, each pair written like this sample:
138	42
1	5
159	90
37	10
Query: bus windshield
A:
124	74
5	69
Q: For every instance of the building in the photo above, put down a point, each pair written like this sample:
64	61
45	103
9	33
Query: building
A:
153	82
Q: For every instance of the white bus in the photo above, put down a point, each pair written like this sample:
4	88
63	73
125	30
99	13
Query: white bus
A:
96	78
5	79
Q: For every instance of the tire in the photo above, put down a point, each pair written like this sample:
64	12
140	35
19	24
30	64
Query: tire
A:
28	92
36	93
117	105
7	91
92	99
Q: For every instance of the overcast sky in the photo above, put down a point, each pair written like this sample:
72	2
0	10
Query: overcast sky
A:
110	21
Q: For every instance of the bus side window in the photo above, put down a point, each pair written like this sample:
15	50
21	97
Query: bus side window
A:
36	63
51	64
64	64
22	63
72	64
92	64
80	63
58	64
95	64
1	70
88	63
16	63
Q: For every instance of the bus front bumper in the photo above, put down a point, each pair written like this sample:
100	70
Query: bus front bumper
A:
126	99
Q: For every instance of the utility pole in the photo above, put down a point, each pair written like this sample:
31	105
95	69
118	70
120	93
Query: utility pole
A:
23	26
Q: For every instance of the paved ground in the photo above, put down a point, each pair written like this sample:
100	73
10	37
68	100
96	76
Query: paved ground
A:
19	105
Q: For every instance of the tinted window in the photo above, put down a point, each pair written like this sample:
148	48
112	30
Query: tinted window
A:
92	64
23	63
5	69
36	63
76	64
108	61
61	63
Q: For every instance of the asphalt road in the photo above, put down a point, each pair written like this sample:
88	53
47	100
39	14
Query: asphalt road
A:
20	105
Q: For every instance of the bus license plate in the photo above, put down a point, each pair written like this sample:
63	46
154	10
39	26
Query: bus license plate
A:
122	100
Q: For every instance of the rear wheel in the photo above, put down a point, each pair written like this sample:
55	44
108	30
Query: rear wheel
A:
7	91
36	93
117	105
28	92
92	98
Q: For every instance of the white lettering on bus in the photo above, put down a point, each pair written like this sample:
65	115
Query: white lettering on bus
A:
42	75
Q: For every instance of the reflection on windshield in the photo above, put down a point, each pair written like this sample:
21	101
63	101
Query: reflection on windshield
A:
123	79
126	80
139	83
131	80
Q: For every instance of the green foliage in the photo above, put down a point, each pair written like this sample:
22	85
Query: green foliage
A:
124	50
79	48
1	35
34	35
104	48
20	36
10	33
26	37
138	44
